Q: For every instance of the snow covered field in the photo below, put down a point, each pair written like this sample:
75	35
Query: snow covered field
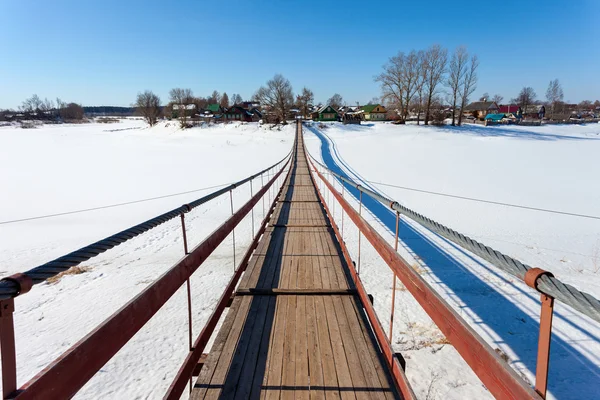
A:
62	168
553	167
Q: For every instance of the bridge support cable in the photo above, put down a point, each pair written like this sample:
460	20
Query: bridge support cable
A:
546	284
14	285
500	379
74	368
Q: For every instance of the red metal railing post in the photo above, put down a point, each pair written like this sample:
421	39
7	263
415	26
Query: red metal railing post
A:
185	245
359	235
7	347
233	231
543	356
394	283
252	195
545	337
342	183
188	287
262	184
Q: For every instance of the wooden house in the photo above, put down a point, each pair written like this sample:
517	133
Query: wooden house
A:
239	113
374	112
325	113
479	109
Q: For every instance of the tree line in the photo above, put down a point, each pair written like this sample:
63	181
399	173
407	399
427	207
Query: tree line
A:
418	80
148	104
34	108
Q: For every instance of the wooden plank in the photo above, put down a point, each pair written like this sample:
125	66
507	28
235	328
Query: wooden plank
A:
262	362
302	374
224	354
272	379
365	345
330	377
315	362
208	370
294	291
254	324
289	368
359	382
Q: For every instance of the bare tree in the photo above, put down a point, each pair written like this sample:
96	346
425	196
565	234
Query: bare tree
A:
497	98
374	100
72	111
434	65
336	101
224	100
421	80
469	85
181	98
214	98
277	97
456	77
32	104
236	99
485	97
304	100
526	97
399	81
554	94
148	105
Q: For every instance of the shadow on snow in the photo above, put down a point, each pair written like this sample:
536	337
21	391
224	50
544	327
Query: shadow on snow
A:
568	367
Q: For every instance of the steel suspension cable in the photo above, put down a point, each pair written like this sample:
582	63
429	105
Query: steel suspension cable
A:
10	288
549	285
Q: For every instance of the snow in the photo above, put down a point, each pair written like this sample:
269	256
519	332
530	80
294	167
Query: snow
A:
552	167
57	168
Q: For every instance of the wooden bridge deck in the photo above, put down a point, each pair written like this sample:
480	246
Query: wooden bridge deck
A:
296	328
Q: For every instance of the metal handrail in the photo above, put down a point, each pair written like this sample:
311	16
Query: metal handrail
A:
542	281
70	371
21	283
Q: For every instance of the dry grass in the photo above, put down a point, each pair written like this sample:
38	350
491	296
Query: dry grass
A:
71	271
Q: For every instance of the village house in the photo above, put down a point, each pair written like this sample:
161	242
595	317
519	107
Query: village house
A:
239	113
325	113
374	112
479	109
509	108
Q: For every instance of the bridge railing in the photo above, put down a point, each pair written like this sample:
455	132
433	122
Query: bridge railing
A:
495	373
63	377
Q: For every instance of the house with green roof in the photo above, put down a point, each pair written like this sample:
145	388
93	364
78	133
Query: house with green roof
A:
325	113
374	112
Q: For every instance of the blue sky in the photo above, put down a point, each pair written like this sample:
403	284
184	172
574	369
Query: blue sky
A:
101	53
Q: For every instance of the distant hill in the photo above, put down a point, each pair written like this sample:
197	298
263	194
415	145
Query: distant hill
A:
94	111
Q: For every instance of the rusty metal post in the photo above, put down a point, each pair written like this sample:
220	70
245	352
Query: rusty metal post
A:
543	356
394	284
545	337
185	245
188	286
262	184
333	204
342	183
7	347
359	235
252	195
233	230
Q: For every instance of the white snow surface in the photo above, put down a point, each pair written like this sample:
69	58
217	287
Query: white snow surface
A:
53	169
59	168
553	167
